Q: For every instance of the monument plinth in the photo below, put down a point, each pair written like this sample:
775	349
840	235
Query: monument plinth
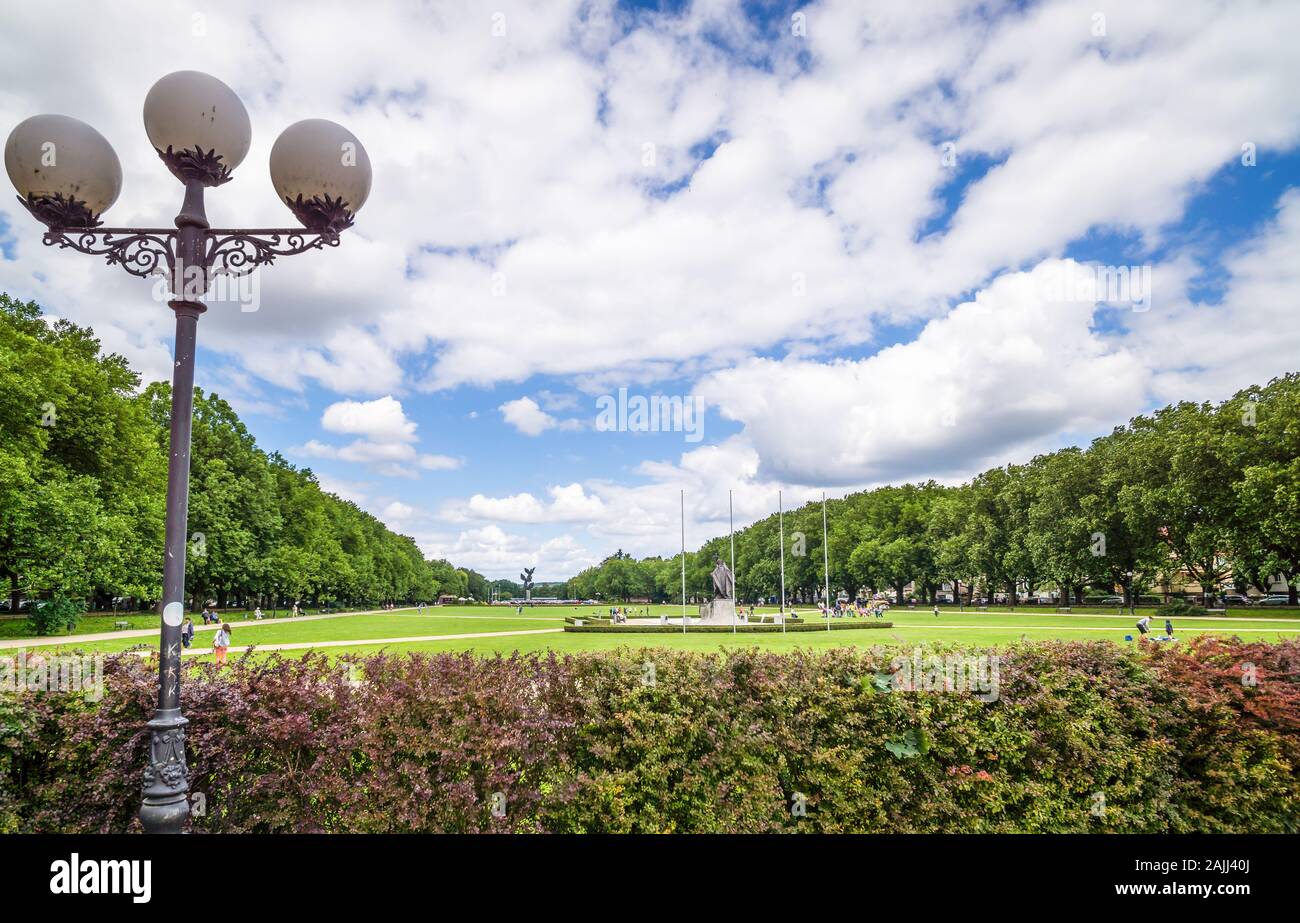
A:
718	611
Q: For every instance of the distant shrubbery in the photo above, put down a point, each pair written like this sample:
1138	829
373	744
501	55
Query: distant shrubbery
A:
1082	737
51	615
1180	607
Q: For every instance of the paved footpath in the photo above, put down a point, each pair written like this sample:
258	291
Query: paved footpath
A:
244	623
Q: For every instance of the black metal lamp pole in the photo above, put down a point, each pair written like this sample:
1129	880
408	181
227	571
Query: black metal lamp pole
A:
166	804
191	255
314	157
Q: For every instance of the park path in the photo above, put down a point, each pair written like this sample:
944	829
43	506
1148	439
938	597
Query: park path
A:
152	632
308	645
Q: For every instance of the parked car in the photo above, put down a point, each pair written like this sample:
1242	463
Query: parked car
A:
1111	601
1234	599
1275	599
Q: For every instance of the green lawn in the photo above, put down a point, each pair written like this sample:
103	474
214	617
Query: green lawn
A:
11	629
910	627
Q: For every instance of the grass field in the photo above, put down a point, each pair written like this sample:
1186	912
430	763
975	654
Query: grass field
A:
498	630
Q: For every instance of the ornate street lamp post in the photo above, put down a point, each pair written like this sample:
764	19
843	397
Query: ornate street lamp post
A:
67	175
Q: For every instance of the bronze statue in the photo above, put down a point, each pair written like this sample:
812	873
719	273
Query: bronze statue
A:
724	582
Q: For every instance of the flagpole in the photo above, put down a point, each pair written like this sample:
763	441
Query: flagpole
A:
826	563
731	516
683	561
780	513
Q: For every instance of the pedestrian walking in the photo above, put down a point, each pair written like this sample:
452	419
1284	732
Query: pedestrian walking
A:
221	643
187	632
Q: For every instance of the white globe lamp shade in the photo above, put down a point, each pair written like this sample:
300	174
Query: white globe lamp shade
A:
322	172
66	173
198	126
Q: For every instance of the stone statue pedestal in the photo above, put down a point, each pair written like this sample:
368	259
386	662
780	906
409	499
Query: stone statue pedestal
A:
718	612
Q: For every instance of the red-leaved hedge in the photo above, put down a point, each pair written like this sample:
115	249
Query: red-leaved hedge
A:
1203	736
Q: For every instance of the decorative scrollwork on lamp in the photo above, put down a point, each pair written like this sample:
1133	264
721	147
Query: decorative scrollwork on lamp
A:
142	252
239	252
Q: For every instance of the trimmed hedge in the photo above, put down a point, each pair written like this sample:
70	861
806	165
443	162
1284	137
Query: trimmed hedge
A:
792	625
1189	737
1181	608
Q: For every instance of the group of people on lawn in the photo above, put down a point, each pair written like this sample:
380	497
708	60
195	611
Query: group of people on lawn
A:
844	609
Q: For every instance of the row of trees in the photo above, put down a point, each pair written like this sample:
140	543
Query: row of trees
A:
83	470
1199	493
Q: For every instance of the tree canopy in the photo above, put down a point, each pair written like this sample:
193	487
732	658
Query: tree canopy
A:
83	471
1208	493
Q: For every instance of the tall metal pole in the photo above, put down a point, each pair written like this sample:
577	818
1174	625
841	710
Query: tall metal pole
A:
826	563
191	251
683	562
780	516
731	517
166	806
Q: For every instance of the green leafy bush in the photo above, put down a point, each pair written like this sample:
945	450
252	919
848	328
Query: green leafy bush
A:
1179	607
1081	737
50	615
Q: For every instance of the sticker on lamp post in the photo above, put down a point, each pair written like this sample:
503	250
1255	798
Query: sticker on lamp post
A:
173	614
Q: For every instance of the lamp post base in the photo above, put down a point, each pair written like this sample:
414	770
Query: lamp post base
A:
166	807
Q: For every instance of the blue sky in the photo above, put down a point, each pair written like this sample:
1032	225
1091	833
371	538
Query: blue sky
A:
842	227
